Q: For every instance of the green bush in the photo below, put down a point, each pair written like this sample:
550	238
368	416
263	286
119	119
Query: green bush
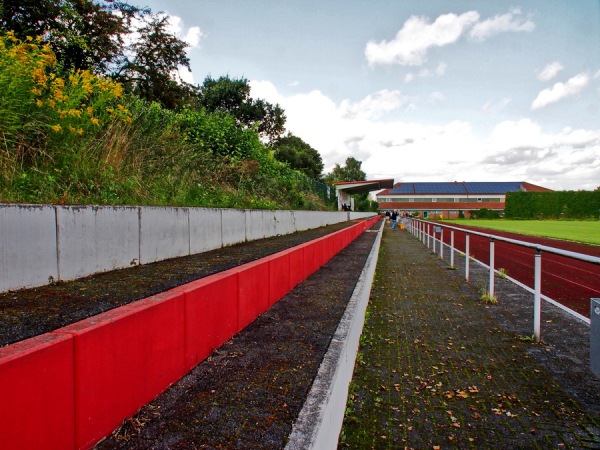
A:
553	205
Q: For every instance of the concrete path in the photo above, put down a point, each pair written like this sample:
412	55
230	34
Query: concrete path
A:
438	368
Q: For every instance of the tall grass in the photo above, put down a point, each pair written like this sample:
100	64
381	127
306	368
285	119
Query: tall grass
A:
72	137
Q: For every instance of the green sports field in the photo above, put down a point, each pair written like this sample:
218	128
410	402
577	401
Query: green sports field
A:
587	231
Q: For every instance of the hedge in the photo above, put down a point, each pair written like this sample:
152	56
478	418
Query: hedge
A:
553	205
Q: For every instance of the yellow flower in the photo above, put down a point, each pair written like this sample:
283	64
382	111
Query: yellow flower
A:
90	110
39	103
57	128
95	121
79	131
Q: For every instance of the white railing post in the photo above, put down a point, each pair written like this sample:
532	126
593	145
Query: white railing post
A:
452	249
441	243
492	272
467	257
428	234
537	296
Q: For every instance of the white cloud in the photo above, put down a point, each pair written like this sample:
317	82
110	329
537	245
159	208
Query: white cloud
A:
411	151
440	70
373	105
509	22
493	107
550	71
569	159
559	91
437	97
417	36
192	36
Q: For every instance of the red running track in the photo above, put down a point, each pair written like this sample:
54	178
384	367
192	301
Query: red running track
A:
568	281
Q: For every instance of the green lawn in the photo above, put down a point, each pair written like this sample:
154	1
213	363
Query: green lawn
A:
587	231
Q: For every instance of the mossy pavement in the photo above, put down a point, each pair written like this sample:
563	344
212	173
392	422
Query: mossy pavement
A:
438	368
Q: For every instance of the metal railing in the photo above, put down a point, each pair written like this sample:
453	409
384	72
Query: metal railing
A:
426	232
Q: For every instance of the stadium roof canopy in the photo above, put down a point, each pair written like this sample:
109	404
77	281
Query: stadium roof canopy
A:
357	187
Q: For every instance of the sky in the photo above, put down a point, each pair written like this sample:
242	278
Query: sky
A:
418	90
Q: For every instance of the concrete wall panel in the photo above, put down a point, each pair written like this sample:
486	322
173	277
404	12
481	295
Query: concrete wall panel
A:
164	233
205	229
297	267
27	246
284	222
253	291
279	276
123	359
211	314
95	239
36	394
259	224
234	226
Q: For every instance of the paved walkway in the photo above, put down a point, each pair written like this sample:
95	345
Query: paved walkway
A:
440	369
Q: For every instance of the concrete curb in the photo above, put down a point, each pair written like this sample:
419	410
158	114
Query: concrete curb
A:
320	421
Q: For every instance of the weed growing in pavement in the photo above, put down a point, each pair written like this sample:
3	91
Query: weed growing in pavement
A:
486	297
528	338
502	273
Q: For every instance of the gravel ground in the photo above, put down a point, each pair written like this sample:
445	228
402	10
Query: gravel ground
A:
440	369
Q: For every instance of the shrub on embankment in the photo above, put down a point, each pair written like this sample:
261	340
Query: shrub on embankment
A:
553	205
73	137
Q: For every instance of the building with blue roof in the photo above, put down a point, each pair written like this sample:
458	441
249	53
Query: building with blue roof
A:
448	199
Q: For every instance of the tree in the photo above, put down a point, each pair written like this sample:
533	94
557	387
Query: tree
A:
157	56
86	34
350	172
83	34
299	155
233	97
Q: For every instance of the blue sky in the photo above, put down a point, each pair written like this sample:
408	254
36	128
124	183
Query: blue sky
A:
418	90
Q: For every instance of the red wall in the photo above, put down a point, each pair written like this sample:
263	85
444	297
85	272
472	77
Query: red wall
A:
70	388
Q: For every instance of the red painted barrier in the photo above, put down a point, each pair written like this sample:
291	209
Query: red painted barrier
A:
72	387
123	359
36	394
253	292
211	314
279	276
297	267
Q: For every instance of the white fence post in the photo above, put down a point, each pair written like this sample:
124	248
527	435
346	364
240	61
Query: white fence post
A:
537	296
492	272
452	249
441	243
428	235
467	257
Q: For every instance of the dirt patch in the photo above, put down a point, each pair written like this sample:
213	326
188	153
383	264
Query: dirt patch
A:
30	312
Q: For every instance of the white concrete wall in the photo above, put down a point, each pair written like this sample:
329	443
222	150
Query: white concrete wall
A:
259	224
164	233
44	243
96	239
285	222
27	246
205	229
233	226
